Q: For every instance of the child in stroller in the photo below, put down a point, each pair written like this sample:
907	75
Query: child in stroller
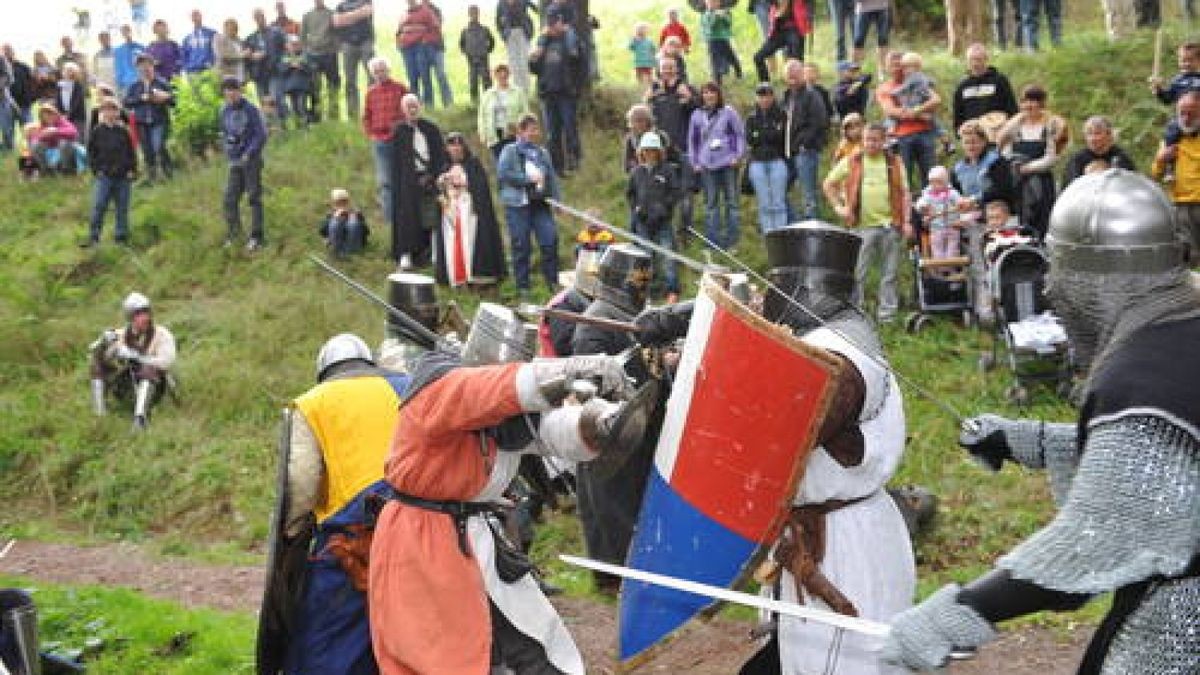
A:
940	269
1034	340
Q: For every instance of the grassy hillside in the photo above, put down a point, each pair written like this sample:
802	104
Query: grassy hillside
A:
248	327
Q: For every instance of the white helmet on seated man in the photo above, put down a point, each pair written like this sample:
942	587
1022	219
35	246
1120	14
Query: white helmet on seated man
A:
143	350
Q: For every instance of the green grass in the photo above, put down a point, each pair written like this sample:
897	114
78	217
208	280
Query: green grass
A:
121	631
201	482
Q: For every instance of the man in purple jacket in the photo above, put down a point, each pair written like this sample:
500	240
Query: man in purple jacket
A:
245	136
166	52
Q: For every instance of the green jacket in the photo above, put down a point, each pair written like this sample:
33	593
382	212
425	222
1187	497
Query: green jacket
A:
716	25
517	105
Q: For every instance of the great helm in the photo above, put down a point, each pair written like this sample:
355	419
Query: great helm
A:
625	273
1116	221
813	263
133	303
587	271
498	335
340	349
415	295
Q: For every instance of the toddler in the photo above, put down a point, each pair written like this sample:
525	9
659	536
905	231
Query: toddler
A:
939	205
344	228
643	54
673	47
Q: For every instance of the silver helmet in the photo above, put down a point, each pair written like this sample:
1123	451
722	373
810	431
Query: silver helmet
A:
133	303
587	272
812	262
340	349
498	335
1117	260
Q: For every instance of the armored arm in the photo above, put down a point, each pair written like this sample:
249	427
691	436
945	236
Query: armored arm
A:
305	475
992	439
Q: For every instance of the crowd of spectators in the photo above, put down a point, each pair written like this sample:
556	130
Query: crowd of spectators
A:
896	129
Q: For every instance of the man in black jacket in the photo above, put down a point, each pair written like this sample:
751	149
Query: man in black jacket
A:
983	90
804	136
419	158
672	100
114	162
556	61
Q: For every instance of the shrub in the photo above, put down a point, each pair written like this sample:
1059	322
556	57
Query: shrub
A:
195	123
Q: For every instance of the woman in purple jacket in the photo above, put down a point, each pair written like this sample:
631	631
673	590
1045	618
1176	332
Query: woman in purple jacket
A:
716	143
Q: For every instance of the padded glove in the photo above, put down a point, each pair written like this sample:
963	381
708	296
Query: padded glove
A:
924	636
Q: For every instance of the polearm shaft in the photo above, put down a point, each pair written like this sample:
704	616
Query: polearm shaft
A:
607	324
419	333
850	623
635	238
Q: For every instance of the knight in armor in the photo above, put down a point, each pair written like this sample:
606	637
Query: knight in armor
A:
556	334
1126	474
133	362
334	442
415	295
609	502
844	547
448	593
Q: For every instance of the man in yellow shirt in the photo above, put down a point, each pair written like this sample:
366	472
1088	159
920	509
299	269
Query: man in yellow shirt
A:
1185	190
868	191
336	436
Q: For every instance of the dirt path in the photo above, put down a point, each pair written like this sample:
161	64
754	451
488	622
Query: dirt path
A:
716	648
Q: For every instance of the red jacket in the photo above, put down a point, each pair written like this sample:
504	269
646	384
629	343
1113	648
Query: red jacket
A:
800	17
678	30
419	25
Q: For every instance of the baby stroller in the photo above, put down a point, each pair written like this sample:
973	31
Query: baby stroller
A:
942	286
1034	340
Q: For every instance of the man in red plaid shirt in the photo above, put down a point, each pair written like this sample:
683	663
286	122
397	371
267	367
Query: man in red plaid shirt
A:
381	114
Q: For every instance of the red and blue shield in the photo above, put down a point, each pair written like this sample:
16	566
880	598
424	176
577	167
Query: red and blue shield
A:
742	417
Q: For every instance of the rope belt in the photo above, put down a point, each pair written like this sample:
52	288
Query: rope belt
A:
800	550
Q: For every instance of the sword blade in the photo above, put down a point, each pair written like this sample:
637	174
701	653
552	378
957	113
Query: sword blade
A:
635	238
610	324
850	623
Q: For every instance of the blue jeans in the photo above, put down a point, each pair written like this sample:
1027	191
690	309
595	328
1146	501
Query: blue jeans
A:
354	57
805	164
918	151
1029	21
416	66
559	115
841	15
279	96
770	189
762	12
8	124
383	179
882	18
437	65
535	220
999	7
721	217
110	190
663	235
153	138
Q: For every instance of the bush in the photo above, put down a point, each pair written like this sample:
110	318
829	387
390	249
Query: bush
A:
195	123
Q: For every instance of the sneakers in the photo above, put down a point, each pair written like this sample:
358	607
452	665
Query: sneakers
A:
253	245
406	263
140	423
